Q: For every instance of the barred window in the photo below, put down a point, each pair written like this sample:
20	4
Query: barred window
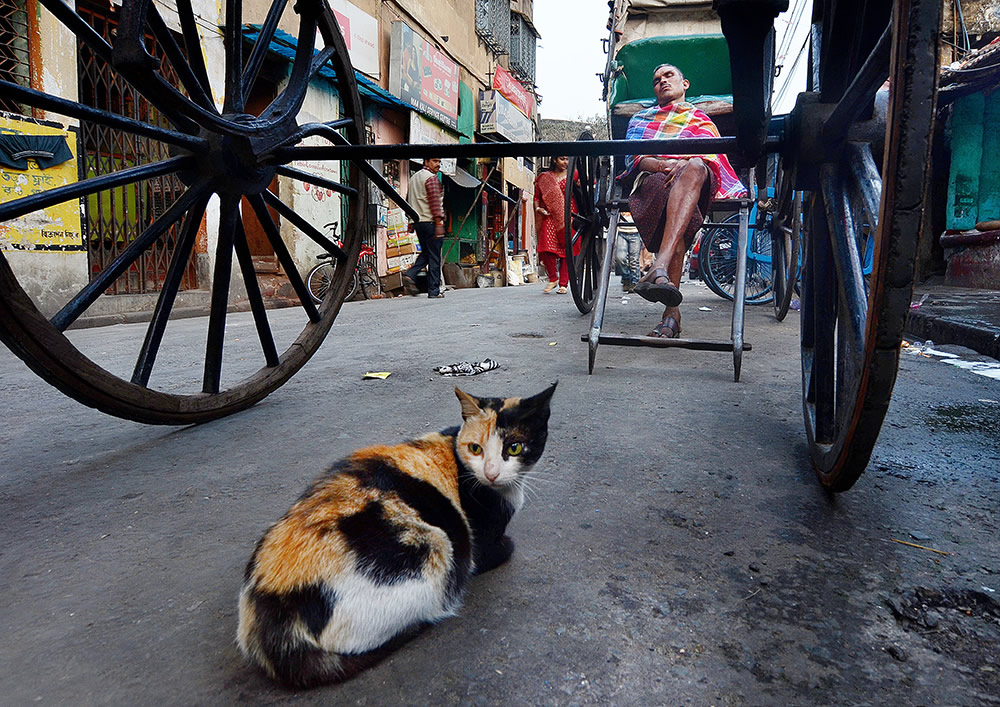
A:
522	49
14	64
493	24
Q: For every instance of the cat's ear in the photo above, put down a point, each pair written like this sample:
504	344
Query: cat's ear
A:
541	400
470	405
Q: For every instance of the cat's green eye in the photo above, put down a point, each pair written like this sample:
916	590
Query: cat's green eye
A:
475	449
515	448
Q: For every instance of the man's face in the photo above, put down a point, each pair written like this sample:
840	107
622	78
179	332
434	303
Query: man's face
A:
669	85
433	164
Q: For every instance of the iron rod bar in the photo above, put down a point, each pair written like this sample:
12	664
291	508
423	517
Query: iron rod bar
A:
73	109
41	200
83	299
740	284
593	339
316	180
286	212
673	146
280	250
662	343
168	294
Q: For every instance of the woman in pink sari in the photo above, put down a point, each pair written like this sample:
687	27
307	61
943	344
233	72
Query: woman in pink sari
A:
550	223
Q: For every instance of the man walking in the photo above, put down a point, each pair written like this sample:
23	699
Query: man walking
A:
425	196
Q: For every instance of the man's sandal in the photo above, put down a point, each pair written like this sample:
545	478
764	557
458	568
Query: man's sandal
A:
666	293
669	328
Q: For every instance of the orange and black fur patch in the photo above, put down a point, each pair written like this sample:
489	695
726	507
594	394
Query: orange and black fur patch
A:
385	542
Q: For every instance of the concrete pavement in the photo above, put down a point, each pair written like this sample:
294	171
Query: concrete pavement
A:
675	550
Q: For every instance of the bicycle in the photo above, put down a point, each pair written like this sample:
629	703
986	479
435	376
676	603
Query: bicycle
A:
717	259
365	272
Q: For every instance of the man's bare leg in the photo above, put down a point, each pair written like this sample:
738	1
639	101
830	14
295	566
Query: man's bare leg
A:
683	200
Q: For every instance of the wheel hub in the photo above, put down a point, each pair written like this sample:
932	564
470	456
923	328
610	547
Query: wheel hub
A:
233	162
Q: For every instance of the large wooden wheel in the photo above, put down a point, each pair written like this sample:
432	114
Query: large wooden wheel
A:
585	215
786	243
850	340
219	157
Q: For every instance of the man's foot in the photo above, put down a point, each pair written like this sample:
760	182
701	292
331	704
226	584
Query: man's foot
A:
656	287
410	286
669	328
548	288
439	295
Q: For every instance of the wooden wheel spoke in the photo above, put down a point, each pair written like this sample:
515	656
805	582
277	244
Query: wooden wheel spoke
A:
867	180
264	334
41	200
290	99
846	259
300	223
228	217
37	99
197	90
234	58
86	297
280	250
261	46
171	285
192	42
317	180
80	27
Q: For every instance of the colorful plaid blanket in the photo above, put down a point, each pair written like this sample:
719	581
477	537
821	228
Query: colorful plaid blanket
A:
683	120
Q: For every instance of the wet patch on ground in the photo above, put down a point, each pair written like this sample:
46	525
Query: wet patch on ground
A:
962	624
977	419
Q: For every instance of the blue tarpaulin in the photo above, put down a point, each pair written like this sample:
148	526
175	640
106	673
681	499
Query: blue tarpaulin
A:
284	44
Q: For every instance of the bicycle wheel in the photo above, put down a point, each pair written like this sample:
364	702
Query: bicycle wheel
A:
850	341
206	151
786	228
319	280
371	285
717	260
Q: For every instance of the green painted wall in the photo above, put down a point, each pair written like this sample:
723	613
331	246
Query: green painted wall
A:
966	162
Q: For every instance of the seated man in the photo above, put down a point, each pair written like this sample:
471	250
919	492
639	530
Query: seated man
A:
670	194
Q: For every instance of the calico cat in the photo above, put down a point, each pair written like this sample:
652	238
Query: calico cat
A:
384	543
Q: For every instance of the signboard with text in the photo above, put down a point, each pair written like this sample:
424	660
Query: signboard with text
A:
424	132
499	116
423	76
513	91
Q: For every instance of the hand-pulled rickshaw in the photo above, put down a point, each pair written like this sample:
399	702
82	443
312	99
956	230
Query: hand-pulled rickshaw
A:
856	169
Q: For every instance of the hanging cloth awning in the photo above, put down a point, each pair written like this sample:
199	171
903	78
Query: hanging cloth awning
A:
463	179
284	44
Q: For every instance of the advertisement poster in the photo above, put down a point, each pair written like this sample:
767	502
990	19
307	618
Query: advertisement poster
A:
56	227
424	132
423	76
498	116
360	32
513	91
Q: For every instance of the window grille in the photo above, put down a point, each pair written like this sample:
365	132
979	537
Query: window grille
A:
522	49
114	218
14	64
493	24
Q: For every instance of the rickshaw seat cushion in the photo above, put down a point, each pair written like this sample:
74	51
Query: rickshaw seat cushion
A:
702	58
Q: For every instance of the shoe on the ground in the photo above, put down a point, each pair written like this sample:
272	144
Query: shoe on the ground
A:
548	288
410	286
439	295
561	291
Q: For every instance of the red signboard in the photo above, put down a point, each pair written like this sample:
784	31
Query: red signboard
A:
423	76
513	91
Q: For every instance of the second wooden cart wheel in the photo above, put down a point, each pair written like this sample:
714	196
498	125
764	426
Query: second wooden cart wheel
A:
214	158
584	214
850	339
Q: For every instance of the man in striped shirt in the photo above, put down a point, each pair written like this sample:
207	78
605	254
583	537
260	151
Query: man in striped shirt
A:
425	196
